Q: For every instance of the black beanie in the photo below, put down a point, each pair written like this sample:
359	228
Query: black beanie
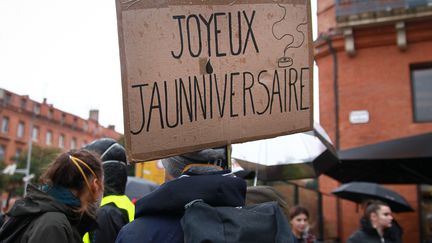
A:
108	149
176	164
113	156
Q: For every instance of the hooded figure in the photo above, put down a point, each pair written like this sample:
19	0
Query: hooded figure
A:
116	208
198	175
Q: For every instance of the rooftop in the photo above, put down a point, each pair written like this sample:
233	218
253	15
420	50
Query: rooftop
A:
363	12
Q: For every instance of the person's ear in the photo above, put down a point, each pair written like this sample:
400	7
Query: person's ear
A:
373	218
97	186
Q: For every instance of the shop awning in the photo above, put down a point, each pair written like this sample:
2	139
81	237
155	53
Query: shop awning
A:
405	160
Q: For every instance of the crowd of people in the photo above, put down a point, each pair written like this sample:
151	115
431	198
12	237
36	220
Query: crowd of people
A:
81	198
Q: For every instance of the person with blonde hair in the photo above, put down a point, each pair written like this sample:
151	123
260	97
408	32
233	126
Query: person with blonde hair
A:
63	208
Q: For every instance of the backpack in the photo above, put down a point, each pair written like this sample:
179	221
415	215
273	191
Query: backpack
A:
261	223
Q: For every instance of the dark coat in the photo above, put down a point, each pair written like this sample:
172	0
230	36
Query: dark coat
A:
40	218
1	219
110	219
368	234
308	238
157	217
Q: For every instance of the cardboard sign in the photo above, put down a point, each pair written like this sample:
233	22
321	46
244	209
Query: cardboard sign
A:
199	74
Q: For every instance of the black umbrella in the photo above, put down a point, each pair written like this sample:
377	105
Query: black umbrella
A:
400	161
137	188
360	191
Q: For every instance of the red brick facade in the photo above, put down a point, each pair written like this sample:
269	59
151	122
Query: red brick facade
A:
377	78
18	113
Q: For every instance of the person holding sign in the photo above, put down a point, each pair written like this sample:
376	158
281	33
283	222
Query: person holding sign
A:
190	176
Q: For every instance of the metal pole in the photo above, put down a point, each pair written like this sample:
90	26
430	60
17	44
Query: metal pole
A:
29	152
256	177
320	217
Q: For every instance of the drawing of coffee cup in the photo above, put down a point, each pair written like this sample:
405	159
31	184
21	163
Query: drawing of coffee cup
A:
284	62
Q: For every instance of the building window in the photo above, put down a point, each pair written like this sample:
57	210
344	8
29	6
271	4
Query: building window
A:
18	152
75	122
61	140
35	133
421	77
73	143
8	98
2	152
5	125
63	118
36	109
48	138
50	113
20	129
23	104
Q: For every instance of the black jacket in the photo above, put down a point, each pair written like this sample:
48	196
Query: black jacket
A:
40	218
368	234
157	216
110	219
1	219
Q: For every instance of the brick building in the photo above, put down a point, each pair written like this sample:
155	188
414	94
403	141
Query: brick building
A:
21	117
375	59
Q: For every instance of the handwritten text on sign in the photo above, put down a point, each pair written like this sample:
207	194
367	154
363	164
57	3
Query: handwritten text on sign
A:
207	75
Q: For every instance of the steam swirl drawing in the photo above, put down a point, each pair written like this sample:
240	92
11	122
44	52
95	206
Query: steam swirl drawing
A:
285	60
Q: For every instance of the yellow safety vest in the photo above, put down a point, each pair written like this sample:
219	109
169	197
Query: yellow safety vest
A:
121	202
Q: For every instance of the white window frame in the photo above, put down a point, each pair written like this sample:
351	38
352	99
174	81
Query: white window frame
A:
5	124
49	137
35	133
20	129
61	141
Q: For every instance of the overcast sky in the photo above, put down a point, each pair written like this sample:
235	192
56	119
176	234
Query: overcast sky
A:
65	51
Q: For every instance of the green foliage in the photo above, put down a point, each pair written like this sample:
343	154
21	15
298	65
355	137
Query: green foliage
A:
40	158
